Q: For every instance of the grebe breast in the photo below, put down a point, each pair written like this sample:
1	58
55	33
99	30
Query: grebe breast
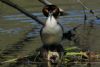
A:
52	32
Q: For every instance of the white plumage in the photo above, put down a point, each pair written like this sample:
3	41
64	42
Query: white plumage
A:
52	32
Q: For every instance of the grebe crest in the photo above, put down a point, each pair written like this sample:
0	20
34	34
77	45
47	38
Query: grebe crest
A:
51	9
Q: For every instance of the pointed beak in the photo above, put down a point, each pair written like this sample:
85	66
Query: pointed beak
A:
50	13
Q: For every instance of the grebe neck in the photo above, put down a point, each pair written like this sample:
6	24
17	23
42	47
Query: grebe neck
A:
51	21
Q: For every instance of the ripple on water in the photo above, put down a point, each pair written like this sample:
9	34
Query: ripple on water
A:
75	16
11	31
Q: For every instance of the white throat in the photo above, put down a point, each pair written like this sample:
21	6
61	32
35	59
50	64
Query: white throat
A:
51	22
51	32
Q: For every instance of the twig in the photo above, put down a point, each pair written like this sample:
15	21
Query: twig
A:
91	11
7	2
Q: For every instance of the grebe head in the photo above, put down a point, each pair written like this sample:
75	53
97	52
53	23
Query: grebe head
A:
51	10
53	56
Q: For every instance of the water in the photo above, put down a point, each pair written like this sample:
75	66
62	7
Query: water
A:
76	16
73	17
11	31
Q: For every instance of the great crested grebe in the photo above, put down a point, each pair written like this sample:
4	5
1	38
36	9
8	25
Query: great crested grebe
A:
52	33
